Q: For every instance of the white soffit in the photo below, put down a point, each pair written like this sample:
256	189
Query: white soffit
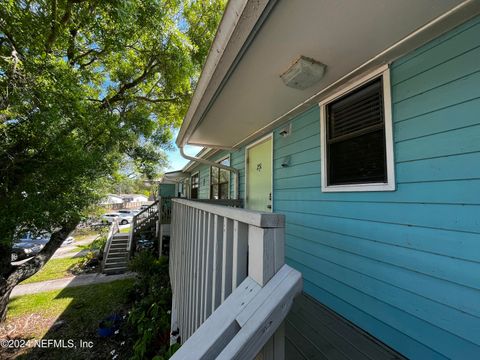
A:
342	34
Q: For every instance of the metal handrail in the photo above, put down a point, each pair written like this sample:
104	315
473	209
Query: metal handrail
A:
137	220
146	209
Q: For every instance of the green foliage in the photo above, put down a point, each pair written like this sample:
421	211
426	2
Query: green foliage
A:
127	185
169	353
98	244
88	87
150	315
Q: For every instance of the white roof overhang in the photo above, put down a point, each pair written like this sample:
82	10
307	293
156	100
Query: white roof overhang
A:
240	94
173	177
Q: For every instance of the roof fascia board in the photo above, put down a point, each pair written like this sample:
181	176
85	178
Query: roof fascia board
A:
237	28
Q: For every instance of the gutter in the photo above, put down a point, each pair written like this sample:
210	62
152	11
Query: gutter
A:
201	154
220	166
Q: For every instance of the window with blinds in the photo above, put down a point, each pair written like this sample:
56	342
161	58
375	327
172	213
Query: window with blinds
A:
355	137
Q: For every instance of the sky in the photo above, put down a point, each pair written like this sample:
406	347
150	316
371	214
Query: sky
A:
177	162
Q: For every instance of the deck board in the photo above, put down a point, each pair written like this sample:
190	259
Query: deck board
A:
315	332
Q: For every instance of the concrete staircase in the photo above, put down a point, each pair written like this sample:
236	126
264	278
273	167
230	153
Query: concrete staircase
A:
116	258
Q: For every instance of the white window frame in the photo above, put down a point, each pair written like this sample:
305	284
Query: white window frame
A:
218	161
384	72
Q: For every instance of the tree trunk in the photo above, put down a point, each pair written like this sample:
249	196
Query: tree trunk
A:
4	298
19	273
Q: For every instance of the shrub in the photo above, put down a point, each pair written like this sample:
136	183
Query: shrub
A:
150	315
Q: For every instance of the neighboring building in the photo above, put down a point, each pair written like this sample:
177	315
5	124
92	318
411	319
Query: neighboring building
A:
133	198
111	199
373	157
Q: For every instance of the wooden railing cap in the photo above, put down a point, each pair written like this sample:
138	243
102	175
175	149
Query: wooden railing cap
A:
251	217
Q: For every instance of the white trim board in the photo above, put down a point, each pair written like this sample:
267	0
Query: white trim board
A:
384	72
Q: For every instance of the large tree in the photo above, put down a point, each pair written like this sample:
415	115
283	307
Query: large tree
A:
85	86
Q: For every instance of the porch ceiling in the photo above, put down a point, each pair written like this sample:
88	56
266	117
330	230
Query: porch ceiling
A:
173	177
343	34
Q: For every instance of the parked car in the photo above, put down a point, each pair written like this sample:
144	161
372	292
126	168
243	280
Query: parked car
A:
40	239
22	250
32	237
123	218
126	216
110	217
128	212
69	240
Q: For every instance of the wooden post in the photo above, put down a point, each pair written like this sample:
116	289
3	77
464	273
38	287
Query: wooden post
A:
266	257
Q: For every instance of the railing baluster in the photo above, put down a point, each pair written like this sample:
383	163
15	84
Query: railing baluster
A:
197	266
203	260
184	271
240	249
187	264
209	267
191	245
217	262
227	258
196	259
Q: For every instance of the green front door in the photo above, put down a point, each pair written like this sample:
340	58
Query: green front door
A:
259	176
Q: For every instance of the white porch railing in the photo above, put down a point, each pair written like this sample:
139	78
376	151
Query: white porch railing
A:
228	262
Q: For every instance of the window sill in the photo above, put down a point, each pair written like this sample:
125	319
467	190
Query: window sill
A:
359	187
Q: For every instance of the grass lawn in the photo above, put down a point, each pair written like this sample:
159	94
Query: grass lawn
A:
125	230
83	234
77	249
79	309
53	269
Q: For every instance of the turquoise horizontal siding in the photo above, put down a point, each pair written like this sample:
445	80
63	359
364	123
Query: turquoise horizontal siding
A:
403	265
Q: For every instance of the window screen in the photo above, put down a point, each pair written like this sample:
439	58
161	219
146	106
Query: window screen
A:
355	137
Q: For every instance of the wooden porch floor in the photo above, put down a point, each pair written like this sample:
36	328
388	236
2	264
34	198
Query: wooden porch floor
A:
314	332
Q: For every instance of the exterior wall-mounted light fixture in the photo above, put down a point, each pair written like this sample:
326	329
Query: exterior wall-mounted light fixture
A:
285	131
303	73
286	161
